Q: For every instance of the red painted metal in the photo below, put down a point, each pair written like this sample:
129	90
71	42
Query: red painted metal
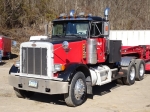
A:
75	53
141	52
147	66
5	45
126	50
101	50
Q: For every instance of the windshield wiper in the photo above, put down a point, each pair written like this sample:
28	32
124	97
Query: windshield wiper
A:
78	36
58	36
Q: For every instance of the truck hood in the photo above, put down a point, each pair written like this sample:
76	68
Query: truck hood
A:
55	40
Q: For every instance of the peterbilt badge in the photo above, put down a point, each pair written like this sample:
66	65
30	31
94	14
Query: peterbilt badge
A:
33	45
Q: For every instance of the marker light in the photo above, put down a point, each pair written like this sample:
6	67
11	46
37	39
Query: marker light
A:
62	15
72	13
59	67
81	14
90	15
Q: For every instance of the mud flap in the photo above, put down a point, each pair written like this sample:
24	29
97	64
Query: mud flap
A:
89	88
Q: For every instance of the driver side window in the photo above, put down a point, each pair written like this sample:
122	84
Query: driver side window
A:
96	29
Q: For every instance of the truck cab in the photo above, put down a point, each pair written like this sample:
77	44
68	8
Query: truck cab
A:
77	56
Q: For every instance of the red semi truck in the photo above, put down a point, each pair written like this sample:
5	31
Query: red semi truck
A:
78	56
5	46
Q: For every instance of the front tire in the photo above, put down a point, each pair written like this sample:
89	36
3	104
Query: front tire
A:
77	90
23	93
131	72
140	69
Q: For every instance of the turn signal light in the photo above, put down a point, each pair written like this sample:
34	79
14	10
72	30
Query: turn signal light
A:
59	67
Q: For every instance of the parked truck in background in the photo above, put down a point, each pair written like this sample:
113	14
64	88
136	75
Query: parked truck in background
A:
78	56
5	46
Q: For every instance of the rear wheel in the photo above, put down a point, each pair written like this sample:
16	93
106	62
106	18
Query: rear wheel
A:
140	69
131	72
23	93
77	90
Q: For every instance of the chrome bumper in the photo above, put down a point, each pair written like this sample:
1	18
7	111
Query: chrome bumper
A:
46	86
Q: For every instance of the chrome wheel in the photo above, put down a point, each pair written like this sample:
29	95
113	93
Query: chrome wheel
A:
79	89
142	70
132	73
77	93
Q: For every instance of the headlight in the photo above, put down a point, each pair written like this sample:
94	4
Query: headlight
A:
59	67
17	64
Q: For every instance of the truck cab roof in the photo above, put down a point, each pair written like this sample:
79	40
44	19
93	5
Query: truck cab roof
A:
89	18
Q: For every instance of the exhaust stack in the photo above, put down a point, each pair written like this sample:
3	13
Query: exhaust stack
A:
106	13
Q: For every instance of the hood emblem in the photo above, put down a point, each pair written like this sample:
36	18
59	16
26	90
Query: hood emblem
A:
33	45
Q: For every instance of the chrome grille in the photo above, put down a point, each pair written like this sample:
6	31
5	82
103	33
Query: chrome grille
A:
34	61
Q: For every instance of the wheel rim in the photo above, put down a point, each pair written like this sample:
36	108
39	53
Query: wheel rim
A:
79	89
132	73
141	70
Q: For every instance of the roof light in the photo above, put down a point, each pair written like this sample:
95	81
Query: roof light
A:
81	14
62	15
90	15
72	13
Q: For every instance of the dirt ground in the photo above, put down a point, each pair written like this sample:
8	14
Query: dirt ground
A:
107	98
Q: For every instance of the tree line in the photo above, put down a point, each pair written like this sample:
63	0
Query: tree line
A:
124	14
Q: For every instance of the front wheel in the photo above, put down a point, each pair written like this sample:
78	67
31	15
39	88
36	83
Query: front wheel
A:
77	90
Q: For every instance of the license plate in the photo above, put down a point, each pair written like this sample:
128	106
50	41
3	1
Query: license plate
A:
33	83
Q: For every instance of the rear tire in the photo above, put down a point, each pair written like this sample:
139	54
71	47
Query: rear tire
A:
23	93
140	69
131	72
77	90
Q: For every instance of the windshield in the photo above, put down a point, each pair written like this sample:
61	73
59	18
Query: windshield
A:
70	28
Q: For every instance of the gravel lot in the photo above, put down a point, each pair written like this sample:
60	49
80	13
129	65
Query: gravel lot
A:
107	98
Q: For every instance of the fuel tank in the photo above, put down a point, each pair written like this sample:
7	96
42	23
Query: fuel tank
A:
91	51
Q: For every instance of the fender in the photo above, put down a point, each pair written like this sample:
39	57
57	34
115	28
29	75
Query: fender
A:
71	68
68	74
125	61
14	69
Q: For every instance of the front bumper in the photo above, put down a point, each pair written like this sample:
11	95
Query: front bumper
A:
46	86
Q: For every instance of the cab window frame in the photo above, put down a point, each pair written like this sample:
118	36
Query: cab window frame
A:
96	25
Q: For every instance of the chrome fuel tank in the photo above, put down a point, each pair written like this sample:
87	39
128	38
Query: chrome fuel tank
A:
91	51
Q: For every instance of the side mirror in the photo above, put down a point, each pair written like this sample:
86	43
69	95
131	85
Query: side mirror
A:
14	43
